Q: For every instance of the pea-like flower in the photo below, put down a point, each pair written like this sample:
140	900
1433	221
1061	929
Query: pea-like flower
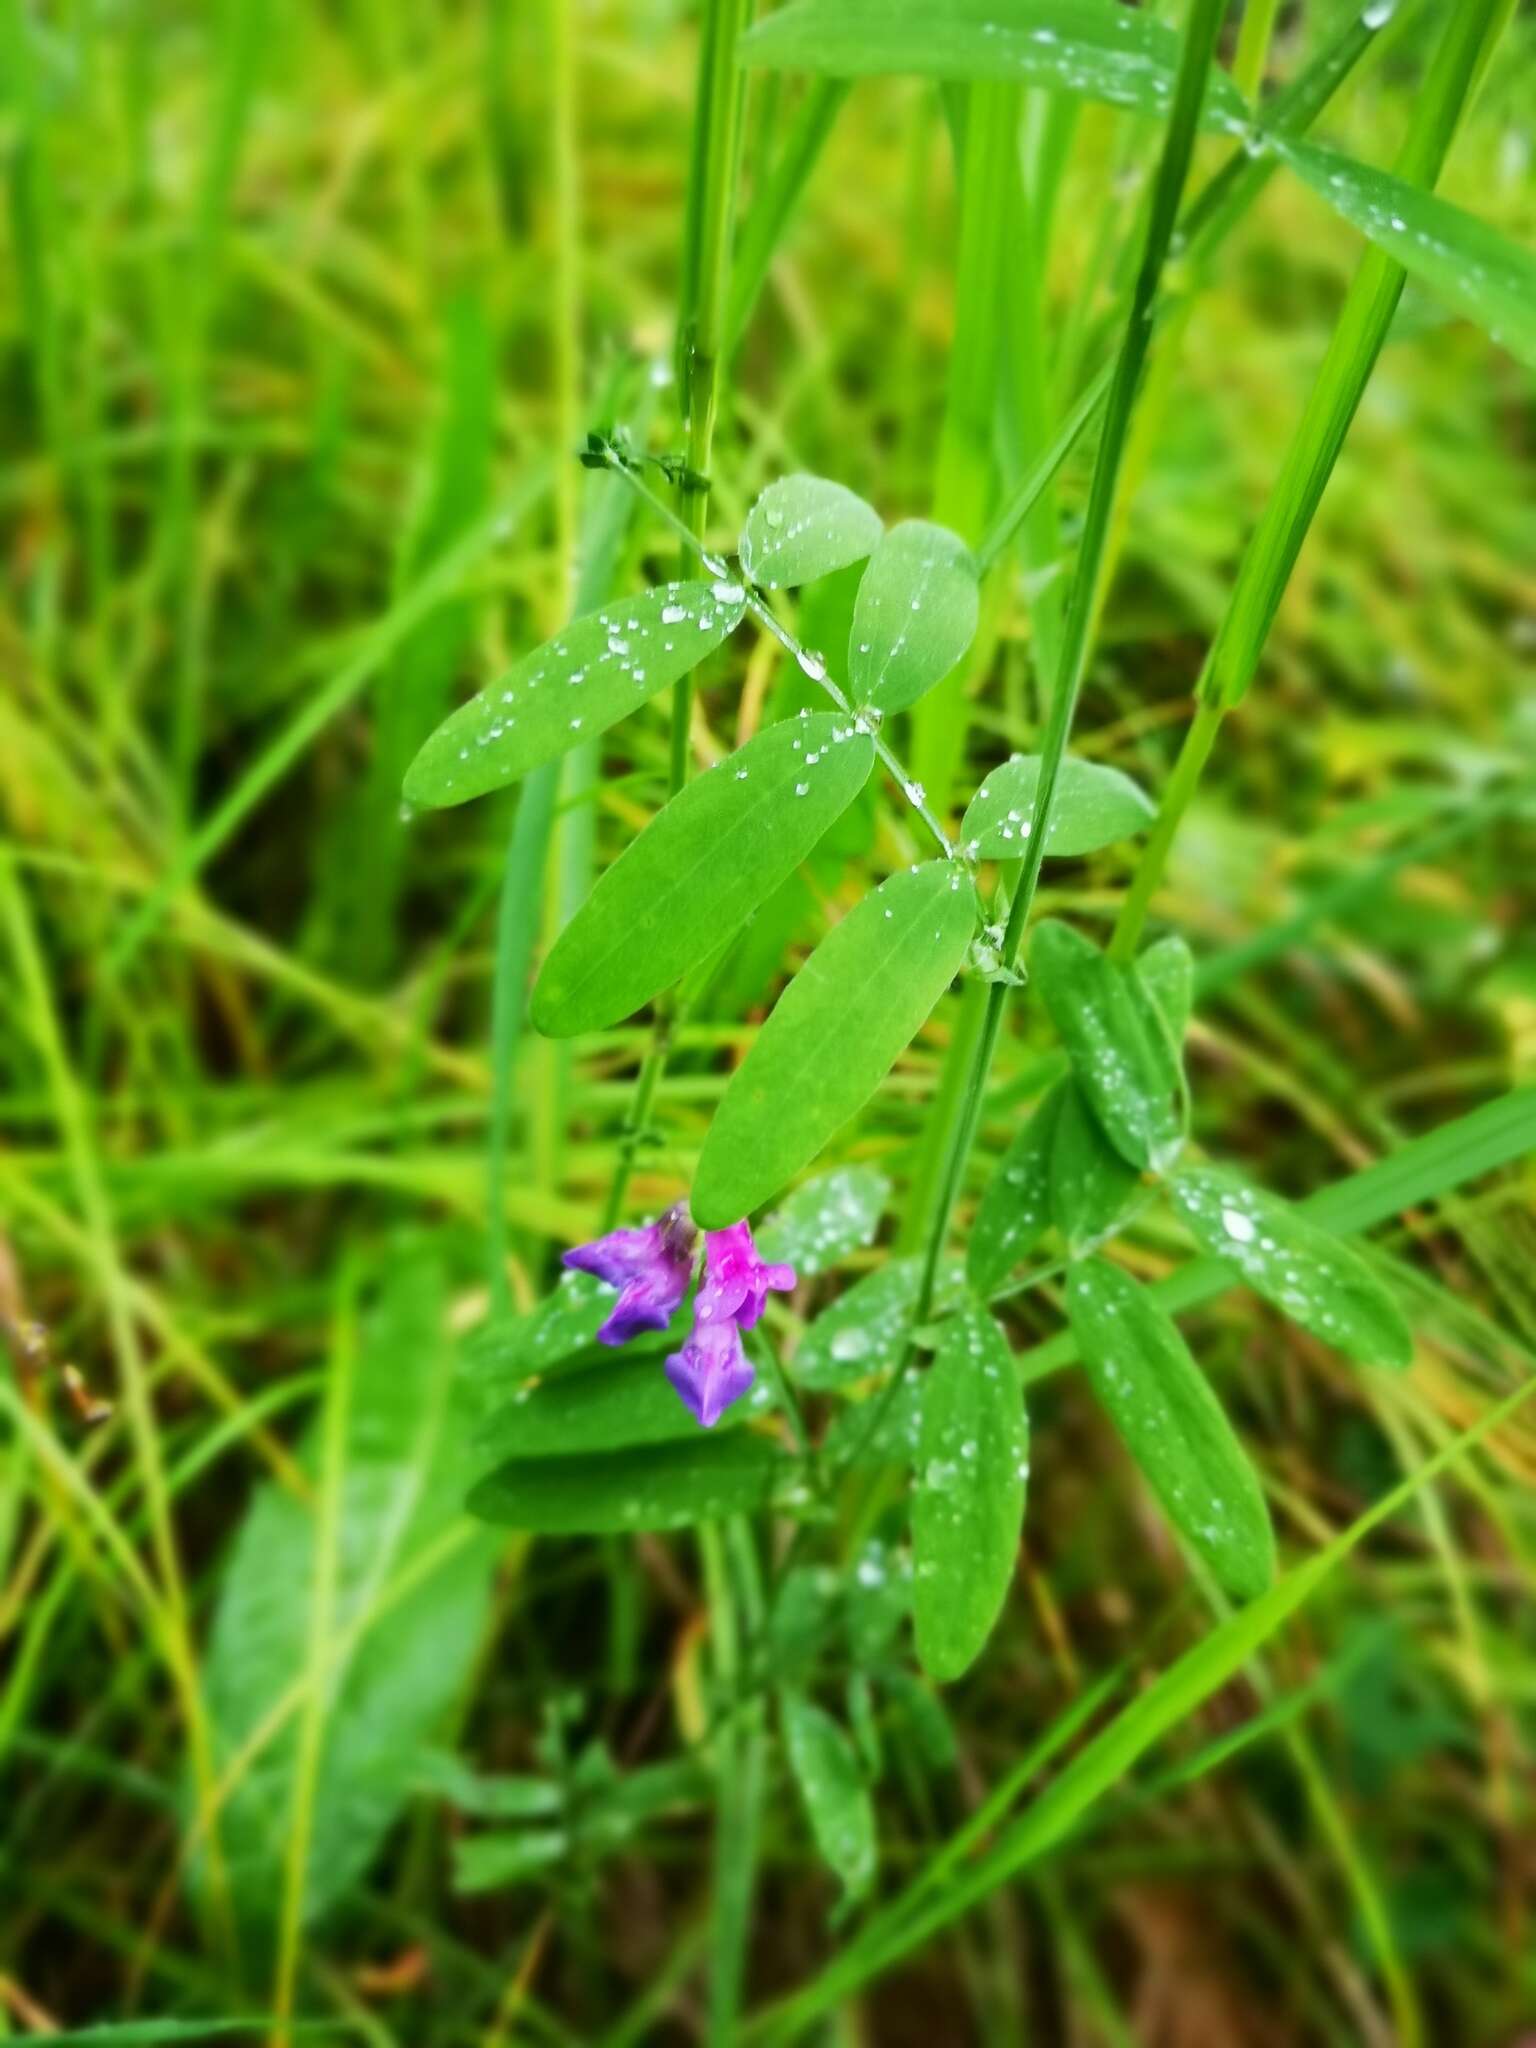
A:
736	1281
651	1267
711	1371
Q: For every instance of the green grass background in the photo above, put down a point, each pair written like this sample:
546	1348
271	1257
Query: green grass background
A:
301	308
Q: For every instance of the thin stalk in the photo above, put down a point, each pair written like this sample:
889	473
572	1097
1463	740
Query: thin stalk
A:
964	466
701	346
1208	220
773	205
1330	410
1198	49
1251	57
735	1615
310	1739
518	916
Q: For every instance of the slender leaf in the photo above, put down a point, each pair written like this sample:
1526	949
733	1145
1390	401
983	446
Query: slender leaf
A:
1089	47
1479	271
805	527
699	869
1090	1183
496	1363
864	1331
1119	1045
968	1493
826	1219
1167	973
657	1486
836	1031
1172	1425
1015	1211
397	1662
914	617
1092	807
1309	1275
593	673
618	1400
837	1801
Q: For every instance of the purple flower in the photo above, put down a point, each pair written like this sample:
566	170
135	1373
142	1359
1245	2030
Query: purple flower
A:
651	1267
736	1282
711	1371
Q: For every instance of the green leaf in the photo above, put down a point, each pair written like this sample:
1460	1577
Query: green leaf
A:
865	1330
605	1406
1483	274
1092	807
1167	971
1172	1425
1308	1274
968	1494
921	1716
837	1801
699	869
396	1662
914	617
592	674
826	1219
496	1362
1121	1052
658	1486
165	2033
882	1430
488	1862
1090	1182
1015	1210
836	1031
1089	47
804	527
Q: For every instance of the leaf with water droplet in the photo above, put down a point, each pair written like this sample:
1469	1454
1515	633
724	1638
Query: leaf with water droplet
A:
805	527
825	1219
655	1486
914	616
1308	1274
1090	1183
1092	806
1093	48
967	1493
1121	1050
1482	273
605	1404
834	1034
1015	1210
1167	973
703	864
837	1801
1172	1425
593	673
864	1332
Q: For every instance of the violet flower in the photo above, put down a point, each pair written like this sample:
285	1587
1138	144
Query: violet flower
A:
651	1267
736	1281
711	1371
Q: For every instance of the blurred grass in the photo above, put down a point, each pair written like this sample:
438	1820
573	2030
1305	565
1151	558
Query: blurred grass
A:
279	374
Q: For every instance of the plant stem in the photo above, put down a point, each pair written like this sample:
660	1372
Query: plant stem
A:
1287	518
701	341
1208	220
519	913
1178	145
